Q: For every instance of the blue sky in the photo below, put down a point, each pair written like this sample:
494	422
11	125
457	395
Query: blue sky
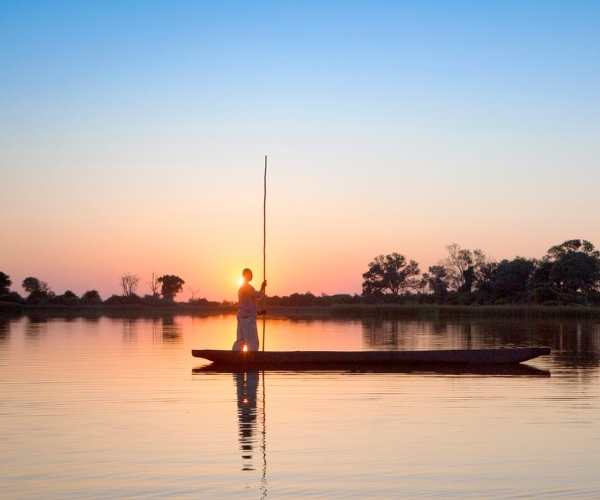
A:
391	126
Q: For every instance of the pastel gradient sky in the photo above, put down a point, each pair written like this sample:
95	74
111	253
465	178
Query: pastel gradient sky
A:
132	136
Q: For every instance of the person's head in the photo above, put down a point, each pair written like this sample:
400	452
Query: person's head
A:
247	275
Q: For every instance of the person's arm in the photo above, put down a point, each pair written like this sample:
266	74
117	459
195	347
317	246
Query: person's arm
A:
261	293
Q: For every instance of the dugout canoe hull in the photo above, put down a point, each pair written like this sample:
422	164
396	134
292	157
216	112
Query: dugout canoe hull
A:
291	359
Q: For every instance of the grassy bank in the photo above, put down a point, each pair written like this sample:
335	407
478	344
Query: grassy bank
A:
440	311
334	311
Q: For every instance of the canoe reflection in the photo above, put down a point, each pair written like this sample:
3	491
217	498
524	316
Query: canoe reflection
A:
522	370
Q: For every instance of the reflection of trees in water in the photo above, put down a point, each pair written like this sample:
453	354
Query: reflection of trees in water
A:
156	330
379	333
129	331
4	329
35	326
415	334
91	319
578	344
171	330
166	329
575	343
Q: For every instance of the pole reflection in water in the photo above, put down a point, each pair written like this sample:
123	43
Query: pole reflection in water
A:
247	390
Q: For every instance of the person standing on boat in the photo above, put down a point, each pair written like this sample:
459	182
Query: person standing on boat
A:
247	334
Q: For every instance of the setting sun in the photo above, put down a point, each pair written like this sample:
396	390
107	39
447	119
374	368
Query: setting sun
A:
239	281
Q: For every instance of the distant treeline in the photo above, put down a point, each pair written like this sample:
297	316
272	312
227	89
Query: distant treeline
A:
163	290
569	273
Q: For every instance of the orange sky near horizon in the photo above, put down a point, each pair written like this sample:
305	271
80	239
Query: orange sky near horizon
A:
205	225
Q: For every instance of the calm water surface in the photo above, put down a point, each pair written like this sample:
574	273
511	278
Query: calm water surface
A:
111	408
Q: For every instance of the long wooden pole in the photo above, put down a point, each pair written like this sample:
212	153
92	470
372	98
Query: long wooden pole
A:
264	394
265	220
264	246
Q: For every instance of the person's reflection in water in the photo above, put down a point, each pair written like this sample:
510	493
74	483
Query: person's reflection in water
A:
247	386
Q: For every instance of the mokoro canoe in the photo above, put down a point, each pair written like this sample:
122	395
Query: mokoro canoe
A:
289	359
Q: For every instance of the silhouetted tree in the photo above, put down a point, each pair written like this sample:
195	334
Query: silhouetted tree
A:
576	272
390	274
5	283
171	285
437	281
38	297
31	284
91	297
12	297
154	286
585	247
129	284
463	267
5	294
569	272
484	279
201	302
510	279
123	300
575	267
152	300
68	298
